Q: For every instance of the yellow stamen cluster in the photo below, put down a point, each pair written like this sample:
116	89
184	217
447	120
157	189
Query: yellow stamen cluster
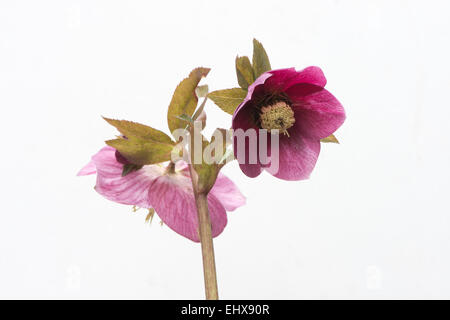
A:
277	116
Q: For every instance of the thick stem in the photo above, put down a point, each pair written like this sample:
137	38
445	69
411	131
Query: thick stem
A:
205	235
209	264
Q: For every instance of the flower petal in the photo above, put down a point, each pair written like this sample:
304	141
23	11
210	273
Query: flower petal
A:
87	169
133	189
283	79
258	82
312	75
297	157
173	199
317	112
244	121
250	170
224	189
227	193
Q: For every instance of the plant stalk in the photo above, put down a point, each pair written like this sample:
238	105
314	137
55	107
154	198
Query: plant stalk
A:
205	235
209	264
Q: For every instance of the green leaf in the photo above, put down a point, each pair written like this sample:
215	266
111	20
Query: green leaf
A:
330	138
228	99
129	167
184	99
142	152
141	131
244	72
261	62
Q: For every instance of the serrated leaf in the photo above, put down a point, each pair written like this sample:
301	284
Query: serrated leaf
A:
260	61
330	139
184	99
244	72
138	130
129	167
228	99
142	152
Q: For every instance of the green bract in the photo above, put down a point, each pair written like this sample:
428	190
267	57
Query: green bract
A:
330	138
140	144
246	73
228	99
260	61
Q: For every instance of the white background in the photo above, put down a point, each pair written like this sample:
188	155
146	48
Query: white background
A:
372	222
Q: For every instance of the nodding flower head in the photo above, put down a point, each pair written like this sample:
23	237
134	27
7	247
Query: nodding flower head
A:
297	105
165	188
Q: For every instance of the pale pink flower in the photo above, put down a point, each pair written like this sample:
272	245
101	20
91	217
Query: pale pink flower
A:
169	193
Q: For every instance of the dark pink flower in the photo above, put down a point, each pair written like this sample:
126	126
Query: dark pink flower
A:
295	103
168	192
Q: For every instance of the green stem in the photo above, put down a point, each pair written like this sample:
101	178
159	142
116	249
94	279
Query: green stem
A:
209	264
205	235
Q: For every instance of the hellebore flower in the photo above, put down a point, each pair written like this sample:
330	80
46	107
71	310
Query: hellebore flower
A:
166	189
295	103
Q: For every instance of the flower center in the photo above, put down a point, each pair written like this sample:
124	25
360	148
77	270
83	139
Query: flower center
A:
277	116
